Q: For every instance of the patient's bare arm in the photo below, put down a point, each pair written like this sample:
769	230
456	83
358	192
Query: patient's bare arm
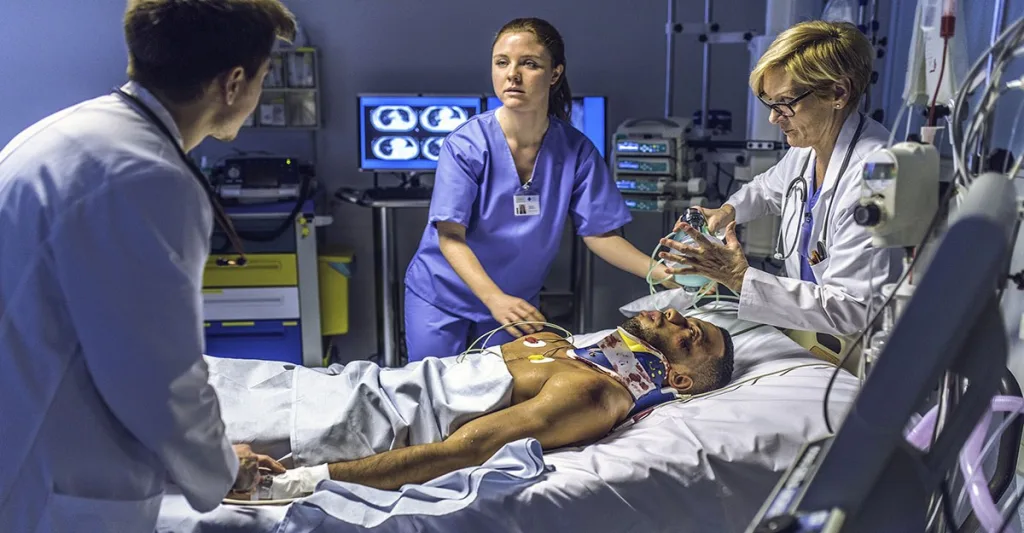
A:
570	408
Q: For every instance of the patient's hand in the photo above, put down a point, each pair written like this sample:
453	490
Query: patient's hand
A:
249	464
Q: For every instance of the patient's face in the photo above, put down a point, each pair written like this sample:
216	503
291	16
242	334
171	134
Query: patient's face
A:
687	343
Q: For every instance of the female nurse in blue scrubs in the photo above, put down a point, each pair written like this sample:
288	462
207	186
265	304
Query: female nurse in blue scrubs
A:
507	180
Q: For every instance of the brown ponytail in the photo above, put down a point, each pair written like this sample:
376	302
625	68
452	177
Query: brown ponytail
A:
560	99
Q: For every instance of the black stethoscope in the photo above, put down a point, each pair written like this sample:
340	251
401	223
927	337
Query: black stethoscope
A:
219	214
799	185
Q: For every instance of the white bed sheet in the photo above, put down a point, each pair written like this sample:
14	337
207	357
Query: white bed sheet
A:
697	466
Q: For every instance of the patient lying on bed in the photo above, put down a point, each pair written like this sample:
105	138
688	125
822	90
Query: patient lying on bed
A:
564	396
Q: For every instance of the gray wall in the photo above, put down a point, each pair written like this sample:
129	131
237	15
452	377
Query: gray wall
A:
58	52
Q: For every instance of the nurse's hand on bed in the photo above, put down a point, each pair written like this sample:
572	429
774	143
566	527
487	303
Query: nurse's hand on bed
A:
724	263
509	310
249	465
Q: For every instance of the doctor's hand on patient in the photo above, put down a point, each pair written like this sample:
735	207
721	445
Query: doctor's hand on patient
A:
509	310
249	465
724	263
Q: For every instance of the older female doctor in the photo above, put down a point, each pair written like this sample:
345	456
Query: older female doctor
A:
506	182
811	77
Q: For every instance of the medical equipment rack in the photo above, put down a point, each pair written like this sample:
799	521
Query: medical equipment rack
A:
243	307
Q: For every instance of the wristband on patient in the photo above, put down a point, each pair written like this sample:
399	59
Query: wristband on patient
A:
633	363
294	483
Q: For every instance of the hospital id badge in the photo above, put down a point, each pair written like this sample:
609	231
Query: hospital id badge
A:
526	204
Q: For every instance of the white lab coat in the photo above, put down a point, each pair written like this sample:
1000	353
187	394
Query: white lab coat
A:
103	390
837	302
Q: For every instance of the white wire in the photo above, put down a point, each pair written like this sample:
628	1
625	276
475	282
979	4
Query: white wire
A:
956	137
955	153
997	68
987	106
865	339
733	386
961	143
896	123
483	348
654	264
1016	167
1016	123
1013	135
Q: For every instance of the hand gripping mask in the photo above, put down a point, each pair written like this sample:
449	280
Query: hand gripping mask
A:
633	363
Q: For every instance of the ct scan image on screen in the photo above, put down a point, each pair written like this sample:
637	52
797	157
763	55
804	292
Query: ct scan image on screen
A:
406	132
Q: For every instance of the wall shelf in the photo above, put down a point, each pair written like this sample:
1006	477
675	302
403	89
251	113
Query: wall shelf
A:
291	92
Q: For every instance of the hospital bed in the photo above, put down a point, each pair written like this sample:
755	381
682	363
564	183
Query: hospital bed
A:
701	465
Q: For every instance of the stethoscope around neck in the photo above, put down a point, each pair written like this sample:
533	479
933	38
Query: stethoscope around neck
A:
218	211
798	185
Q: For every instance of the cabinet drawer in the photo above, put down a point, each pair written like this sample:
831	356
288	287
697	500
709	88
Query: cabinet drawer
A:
251	304
262	270
270	340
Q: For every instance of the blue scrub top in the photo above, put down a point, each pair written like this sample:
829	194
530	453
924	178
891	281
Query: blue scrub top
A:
806	273
474	186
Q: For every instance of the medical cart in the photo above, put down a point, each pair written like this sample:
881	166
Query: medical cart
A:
270	308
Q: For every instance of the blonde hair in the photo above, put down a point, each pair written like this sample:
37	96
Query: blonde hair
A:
817	54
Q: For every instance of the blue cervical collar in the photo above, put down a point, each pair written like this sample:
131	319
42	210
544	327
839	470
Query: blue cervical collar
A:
633	363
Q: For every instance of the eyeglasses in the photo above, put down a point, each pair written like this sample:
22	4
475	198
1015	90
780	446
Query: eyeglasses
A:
786	109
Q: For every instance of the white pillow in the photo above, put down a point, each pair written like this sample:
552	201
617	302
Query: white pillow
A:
677	299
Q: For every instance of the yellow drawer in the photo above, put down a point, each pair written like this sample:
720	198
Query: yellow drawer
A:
262	270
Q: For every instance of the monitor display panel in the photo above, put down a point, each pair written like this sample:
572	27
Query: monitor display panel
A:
405	132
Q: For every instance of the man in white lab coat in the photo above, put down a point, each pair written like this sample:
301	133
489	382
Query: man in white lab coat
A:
104	232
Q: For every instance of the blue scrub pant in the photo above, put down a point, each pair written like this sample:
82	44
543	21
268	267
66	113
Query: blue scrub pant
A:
432	332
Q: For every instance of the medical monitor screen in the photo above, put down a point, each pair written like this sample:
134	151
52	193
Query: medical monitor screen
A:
405	132
588	116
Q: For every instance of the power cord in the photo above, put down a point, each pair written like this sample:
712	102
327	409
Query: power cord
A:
305	193
732	179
